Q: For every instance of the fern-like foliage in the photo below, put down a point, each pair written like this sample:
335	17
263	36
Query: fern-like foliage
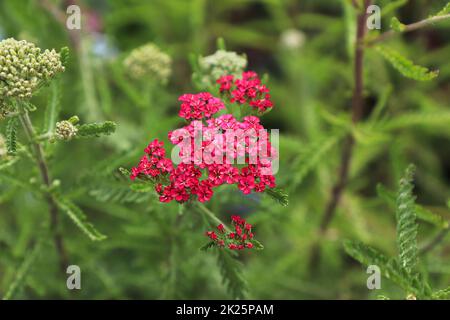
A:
279	195
405	66
118	194
24	269
442	294
422	213
397	25
64	54
231	271
312	156
11	136
414	119
53	107
96	129
406	222
390	267
78	217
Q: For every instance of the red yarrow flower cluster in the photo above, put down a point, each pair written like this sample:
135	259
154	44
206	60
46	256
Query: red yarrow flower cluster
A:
214	151
238	239
153	163
199	106
247	90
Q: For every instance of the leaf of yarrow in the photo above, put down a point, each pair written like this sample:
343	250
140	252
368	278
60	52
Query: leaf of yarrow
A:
422	213
406	222
78	217
231	271
11	136
53	107
279	195
24	268
390	268
406	67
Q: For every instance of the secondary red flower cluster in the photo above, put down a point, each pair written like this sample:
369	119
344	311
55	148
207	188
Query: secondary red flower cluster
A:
238	239
213	152
199	106
248	89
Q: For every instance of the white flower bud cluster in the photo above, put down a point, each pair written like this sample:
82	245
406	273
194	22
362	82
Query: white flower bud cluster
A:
148	62
65	130
23	67
3	149
219	64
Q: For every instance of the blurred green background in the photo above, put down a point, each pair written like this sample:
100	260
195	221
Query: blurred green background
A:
305	47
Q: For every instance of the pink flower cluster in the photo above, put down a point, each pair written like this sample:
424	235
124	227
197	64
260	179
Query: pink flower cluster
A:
213	152
199	106
248	89
239	239
153	163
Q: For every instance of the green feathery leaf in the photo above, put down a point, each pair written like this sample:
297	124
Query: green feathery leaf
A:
64	56
231	270
397	25
406	67
53	107
442	294
406	222
78	217
312	156
209	245
422	213
279	195
390	268
118	194
11	136
24	268
96	129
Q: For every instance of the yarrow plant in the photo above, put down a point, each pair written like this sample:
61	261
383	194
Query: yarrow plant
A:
239	239
223	143
24	69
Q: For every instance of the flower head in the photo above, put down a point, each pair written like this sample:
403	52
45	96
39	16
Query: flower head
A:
212	164
240	239
219	64
199	106
65	130
148	63
24	67
246	90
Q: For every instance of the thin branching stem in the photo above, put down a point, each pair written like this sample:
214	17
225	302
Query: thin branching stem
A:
408	28
347	151
212	216
45	176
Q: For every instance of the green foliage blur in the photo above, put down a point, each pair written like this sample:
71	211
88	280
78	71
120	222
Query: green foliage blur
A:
306	49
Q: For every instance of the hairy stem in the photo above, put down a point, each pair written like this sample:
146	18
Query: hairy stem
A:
408	28
347	151
45	176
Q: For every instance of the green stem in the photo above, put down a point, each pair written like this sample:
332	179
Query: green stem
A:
212	216
408	28
45	175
